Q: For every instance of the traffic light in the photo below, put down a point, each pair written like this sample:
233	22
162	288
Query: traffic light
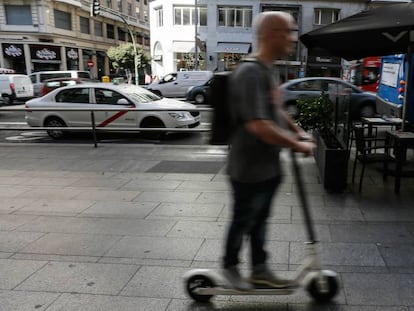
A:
95	8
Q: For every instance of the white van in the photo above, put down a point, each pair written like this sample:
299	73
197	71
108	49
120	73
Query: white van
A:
176	84
15	86
38	77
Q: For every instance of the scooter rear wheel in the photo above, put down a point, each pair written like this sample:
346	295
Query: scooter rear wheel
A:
323	295
199	281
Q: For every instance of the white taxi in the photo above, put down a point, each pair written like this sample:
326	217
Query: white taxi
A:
108	96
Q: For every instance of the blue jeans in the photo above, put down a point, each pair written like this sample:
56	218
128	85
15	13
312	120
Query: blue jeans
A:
251	208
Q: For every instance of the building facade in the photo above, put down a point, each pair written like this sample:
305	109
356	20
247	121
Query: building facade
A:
217	34
37	35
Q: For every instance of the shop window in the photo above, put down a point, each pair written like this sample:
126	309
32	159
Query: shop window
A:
84	25
63	20
325	16
235	16
18	14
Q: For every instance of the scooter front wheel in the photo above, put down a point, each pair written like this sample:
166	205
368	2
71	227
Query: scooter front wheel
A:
199	281
323	288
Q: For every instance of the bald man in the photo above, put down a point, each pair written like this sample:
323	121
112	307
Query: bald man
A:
262	128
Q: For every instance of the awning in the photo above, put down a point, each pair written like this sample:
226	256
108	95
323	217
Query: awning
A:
227	47
183	47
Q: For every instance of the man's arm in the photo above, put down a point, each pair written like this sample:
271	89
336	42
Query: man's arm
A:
269	132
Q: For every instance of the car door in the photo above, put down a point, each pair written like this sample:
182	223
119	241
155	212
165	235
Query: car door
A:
111	99
169	84
307	89
75	98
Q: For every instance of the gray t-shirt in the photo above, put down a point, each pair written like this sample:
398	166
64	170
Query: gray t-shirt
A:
252	96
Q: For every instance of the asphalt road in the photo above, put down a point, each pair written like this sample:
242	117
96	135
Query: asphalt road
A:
16	119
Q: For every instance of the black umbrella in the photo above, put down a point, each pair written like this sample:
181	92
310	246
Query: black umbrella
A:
382	31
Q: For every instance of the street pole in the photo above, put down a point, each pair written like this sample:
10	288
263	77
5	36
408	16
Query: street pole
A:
195	36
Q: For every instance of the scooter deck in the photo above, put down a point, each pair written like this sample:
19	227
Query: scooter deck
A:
255	291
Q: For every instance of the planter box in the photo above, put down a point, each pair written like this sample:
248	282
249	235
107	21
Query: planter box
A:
332	164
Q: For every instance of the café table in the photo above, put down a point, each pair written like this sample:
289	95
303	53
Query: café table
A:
399	141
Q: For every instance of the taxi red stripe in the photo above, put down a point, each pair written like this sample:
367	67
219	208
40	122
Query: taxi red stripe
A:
113	118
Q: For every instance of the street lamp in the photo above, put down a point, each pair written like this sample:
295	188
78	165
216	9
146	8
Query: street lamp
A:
195	36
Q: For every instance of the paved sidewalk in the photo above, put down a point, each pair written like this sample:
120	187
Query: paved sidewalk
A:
115	227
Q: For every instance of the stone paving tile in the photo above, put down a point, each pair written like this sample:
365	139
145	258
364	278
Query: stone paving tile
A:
106	195
72	244
55	207
111	226
88	278
215	197
351	254
279	213
199	229
119	209
371	233
7	191
13	272
217	303
84	302
204	185
23	301
12	222
400	255
296	232
156	282
168	196
142	185
390	289
341	307
14	241
101	182
11	205
330	214
50	193
192	177
187	210
156	248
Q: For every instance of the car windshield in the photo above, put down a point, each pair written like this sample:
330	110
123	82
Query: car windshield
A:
140	94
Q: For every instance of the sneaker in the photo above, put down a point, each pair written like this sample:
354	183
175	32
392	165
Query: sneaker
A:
234	277
262	276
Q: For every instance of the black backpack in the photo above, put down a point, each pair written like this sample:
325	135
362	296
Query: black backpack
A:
221	126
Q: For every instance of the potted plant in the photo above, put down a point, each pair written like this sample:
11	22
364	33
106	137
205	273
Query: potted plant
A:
317	115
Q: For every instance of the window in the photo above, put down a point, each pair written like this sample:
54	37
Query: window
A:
129	9
109	97
235	16
98	29
186	16
121	34
109	3
159	17
84	25
63	20
110	31
18	14
76	95
326	16
120	6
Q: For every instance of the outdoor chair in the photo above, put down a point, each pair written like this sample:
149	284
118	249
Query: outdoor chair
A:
369	150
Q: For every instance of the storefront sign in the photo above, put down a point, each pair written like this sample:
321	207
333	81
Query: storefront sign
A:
45	53
72	54
13	50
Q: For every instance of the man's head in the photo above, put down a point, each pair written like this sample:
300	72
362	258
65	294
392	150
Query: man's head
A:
275	33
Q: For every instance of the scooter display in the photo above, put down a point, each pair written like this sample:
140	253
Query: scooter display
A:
322	285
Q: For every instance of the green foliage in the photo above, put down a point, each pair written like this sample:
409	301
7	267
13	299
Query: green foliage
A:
316	114
122	57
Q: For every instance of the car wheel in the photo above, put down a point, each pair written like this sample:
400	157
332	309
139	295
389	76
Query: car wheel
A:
55	122
152	122
199	98
367	111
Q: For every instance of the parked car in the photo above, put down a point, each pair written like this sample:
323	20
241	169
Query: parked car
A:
52	84
198	94
15	86
176	84
362	103
108	95
39	76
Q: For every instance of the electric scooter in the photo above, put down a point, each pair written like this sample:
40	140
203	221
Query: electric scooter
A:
322	285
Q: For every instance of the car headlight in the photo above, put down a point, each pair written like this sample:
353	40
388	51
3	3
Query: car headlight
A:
177	115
